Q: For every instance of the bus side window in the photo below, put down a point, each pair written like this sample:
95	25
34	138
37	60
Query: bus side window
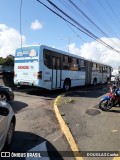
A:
70	62
81	64
47	60
53	63
58	63
73	64
100	69
94	67
104	69
65	62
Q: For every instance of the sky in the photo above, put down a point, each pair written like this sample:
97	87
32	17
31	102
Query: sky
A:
38	25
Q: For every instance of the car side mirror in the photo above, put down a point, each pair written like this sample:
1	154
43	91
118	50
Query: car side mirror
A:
4	111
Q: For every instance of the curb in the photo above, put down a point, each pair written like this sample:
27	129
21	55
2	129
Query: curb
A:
66	131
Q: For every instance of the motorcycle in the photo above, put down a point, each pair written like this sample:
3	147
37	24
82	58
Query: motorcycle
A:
111	100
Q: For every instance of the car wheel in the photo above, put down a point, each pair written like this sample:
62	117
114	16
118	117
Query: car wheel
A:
3	97
10	135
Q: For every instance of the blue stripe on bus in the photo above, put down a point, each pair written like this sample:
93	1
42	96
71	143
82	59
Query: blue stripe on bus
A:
23	61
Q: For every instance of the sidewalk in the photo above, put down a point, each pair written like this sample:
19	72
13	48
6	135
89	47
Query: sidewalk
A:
92	129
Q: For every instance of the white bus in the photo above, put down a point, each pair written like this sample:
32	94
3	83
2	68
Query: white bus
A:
50	68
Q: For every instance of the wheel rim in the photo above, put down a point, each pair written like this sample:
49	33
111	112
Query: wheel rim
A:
67	86
106	105
3	97
10	133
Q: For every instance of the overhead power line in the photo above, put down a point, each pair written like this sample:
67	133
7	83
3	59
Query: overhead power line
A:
92	34
92	21
100	20
83	29
107	13
87	17
117	18
65	19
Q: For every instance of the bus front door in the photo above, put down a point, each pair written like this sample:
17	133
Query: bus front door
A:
56	73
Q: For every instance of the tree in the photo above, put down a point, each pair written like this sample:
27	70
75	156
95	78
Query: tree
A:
1	60
8	61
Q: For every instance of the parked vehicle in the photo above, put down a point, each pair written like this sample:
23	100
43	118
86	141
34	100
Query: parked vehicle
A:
111	100
7	125
112	78
6	94
49	68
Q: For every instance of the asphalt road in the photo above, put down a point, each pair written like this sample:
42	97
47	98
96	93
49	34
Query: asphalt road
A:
36	124
93	129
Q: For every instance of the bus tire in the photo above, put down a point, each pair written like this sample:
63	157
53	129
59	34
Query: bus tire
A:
95	82
66	85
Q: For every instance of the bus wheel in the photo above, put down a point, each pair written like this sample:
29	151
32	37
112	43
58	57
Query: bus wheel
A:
94	82
66	85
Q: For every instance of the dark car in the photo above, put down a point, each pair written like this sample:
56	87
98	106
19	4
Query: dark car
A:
6	94
7	125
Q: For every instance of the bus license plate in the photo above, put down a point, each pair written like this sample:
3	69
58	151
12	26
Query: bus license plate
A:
24	83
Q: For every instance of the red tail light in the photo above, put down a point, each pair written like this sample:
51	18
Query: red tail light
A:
39	75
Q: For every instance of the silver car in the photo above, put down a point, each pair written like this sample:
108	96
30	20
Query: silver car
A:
7	125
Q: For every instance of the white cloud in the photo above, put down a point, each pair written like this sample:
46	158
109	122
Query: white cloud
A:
10	39
3	27
36	25
98	52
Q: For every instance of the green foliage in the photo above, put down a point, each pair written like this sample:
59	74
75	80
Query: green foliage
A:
8	61
1	60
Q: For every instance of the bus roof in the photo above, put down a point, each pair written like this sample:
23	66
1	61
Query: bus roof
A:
62	52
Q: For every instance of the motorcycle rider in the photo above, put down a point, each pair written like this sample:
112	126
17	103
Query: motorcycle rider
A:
117	81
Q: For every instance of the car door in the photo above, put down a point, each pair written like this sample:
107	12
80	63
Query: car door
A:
3	128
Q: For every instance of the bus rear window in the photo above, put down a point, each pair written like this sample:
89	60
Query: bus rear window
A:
26	52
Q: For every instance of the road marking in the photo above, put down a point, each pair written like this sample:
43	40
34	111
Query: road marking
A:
114	130
67	133
116	158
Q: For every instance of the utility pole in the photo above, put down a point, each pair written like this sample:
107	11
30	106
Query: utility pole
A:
69	40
